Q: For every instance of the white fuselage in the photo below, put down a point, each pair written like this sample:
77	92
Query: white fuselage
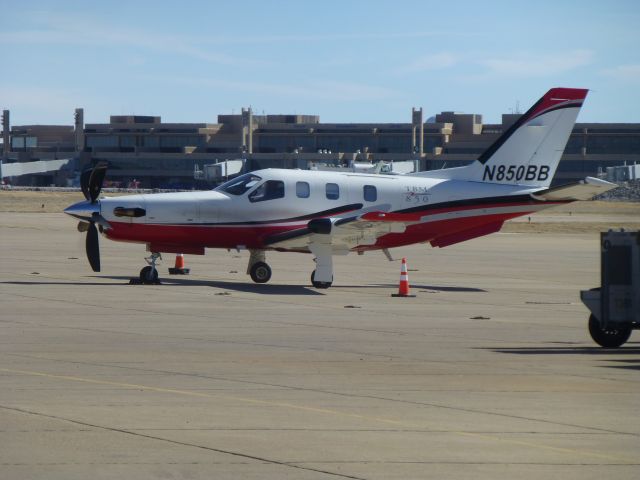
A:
221	219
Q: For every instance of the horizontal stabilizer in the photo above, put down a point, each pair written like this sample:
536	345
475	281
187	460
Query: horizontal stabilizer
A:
582	190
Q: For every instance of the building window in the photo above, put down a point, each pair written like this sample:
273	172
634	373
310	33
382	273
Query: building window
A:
180	141
370	193
333	191
127	141
102	141
269	190
151	141
302	190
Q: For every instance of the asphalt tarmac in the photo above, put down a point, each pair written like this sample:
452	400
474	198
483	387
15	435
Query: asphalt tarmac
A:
488	373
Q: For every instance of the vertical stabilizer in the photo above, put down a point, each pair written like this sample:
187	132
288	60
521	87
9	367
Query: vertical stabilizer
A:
529	151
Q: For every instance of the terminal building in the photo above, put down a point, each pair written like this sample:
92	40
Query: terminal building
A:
154	154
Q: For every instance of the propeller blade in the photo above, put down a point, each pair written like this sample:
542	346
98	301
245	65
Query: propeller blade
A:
84	183
93	248
91	181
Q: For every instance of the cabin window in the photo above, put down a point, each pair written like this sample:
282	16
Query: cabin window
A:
370	193
333	191
240	185
269	190
302	190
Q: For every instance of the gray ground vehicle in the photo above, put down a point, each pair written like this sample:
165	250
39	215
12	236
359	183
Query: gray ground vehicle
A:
615	306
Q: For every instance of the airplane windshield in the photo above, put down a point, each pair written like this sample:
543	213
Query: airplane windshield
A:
239	185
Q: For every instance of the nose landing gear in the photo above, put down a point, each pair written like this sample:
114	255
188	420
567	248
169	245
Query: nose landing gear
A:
149	274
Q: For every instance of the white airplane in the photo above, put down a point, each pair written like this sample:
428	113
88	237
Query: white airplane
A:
329	213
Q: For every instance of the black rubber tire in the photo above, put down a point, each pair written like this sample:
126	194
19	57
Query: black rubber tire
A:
148	275
610	337
260	272
320	284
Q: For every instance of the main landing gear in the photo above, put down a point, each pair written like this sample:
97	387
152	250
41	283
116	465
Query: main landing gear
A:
318	284
149	274
258	269
321	277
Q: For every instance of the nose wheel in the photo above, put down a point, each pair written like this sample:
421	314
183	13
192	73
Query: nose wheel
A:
149	274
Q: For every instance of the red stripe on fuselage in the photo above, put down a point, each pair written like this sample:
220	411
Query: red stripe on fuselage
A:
211	236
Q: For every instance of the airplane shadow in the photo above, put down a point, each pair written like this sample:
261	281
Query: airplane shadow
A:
429	288
450	289
238	287
96	284
262	289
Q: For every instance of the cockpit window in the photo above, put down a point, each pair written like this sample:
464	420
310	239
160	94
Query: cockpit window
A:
269	190
239	185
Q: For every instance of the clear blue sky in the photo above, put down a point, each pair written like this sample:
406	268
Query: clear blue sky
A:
347	61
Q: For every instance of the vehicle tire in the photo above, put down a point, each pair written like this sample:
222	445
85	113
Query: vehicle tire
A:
320	284
260	272
148	275
609	337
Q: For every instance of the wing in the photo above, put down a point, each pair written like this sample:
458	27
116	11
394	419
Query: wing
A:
343	233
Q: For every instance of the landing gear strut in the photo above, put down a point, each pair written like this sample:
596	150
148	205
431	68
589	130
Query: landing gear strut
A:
322	276
149	274
259	270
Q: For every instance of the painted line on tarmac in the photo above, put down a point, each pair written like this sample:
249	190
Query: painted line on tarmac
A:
306	408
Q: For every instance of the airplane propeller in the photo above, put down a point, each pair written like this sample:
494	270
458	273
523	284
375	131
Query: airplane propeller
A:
93	247
91	181
89	211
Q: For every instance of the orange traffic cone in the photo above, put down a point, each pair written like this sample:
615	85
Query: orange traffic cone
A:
179	268
403	290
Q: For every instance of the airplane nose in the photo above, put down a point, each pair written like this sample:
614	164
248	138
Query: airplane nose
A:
83	210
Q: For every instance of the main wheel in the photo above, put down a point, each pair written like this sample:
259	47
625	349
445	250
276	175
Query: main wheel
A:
608	337
148	275
320	284
260	272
